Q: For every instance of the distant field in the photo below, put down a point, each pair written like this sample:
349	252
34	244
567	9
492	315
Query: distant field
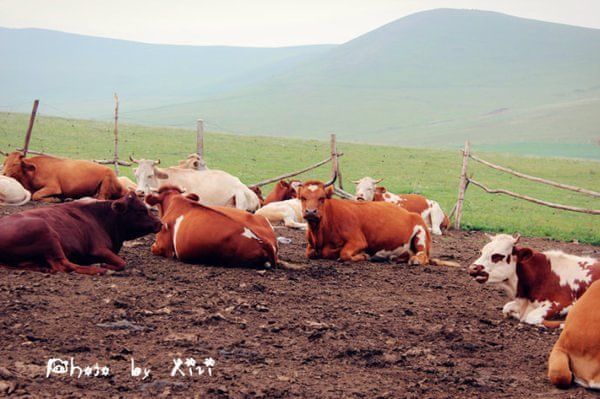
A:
433	173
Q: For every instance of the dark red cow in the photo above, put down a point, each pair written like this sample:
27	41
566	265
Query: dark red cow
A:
62	237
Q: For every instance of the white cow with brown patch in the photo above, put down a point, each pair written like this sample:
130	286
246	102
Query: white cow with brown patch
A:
430	211
541	285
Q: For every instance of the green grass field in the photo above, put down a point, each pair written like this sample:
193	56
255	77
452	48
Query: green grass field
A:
433	173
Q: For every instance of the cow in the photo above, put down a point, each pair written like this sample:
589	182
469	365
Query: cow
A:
193	161
541	285
256	190
12	193
127	183
63	237
214	187
430	211
51	179
283	190
362	230
196	233
576	353
289	212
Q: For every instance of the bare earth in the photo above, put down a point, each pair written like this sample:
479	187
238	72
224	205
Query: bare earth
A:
365	330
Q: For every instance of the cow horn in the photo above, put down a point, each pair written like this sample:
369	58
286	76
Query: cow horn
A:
355	181
378	180
3	153
333	179
517	238
132	159
157	162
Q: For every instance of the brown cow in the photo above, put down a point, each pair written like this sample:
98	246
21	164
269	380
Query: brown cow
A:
51	179
283	190
577	353
64	236
359	230
196	233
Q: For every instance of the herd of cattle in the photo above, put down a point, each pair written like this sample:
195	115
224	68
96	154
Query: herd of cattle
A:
211	217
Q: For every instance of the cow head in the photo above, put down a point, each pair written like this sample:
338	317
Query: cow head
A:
165	194
17	167
497	262
365	188
313	195
147	175
135	220
193	161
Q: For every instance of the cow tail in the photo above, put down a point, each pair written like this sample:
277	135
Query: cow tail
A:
552	323
559	369
271	251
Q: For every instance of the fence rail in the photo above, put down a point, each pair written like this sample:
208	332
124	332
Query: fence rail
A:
465	181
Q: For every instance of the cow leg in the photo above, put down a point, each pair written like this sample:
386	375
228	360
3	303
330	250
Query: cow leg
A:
47	194
289	221
542	312
354	251
110	260
514	308
64	265
419	245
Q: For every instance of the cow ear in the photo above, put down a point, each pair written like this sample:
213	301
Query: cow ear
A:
119	206
283	183
329	191
523	253
193	197
160	174
152	199
195	164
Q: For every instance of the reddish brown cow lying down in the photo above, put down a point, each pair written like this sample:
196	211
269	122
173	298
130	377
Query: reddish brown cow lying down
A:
541	285
51	179
196	233
64	236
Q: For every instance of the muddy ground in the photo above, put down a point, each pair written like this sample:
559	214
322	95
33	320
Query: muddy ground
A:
364	330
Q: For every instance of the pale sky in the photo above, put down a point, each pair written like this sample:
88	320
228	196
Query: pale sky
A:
259	22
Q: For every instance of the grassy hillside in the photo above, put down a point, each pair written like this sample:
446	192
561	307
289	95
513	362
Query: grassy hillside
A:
431	79
433	173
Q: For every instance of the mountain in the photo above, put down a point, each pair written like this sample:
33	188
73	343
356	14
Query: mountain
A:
80	73
433	79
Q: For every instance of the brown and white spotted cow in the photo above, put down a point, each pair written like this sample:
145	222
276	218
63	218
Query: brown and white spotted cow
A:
542	285
430	211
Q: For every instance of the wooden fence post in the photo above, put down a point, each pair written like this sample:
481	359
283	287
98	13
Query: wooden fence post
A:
200	144
36	103
464	181
335	163
116	132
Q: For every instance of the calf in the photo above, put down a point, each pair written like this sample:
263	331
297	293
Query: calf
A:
12	192
196	233
283	190
577	353
357	231
51	179
289	212
542	285
430	211
63	237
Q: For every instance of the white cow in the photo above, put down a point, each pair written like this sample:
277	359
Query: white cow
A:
12	193
289	212
214	187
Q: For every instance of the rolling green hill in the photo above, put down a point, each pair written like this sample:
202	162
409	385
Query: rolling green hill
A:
431	79
433	173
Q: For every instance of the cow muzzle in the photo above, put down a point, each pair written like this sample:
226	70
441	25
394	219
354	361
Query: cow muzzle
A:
311	215
361	198
478	274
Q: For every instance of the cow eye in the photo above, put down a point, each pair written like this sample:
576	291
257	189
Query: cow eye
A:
497	258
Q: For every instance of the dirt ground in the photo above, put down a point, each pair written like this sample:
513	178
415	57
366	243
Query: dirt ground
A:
364	330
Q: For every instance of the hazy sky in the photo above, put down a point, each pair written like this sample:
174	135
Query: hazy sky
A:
259	22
